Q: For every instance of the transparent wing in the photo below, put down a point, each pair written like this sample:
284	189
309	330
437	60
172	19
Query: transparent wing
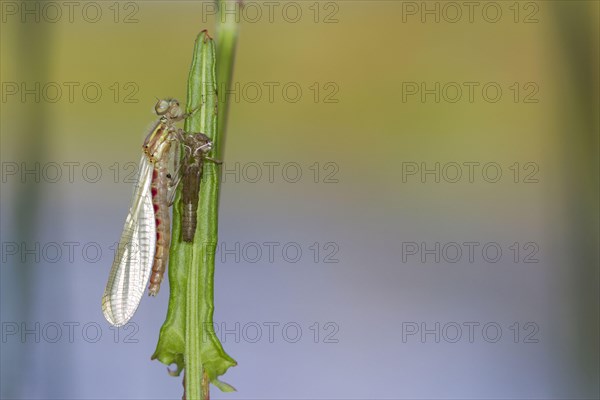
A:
133	262
178	166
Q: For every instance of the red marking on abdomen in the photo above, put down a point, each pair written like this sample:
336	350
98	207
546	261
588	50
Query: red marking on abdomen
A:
162	218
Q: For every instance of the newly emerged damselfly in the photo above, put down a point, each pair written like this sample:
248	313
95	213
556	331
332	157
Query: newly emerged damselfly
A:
144	244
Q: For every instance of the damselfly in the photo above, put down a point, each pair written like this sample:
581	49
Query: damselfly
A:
196	147
144	244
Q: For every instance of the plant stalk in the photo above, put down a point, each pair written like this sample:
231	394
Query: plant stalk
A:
187	338
227	34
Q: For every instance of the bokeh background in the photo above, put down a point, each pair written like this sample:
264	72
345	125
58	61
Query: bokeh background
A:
362	295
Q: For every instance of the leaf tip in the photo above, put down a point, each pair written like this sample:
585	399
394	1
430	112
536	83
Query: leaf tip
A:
206	36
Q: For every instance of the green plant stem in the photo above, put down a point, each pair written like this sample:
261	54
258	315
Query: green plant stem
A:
202	96
227	34
187	338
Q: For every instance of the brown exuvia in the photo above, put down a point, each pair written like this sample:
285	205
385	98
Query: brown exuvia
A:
196	147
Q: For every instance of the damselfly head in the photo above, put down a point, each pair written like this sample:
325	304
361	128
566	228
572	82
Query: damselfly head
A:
169	108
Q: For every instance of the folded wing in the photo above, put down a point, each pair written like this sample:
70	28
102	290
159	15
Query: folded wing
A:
133	262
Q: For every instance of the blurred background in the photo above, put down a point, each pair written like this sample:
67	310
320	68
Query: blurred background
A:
409	206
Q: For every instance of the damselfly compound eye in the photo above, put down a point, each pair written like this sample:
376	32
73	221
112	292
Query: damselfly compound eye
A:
161	107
